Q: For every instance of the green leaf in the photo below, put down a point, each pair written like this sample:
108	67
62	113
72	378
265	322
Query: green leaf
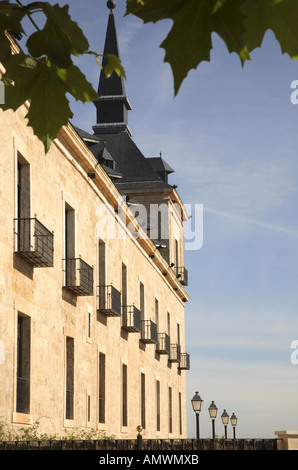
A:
39	82
229	24
76	83
113	64
189	40
5	49
59	39
49	108
18	79
240	23
10	18
280	16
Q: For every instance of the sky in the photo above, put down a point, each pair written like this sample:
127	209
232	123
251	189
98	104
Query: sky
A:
231	134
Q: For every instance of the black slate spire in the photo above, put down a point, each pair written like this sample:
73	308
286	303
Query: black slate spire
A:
112	104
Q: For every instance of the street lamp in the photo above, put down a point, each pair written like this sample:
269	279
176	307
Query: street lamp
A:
225	420
213	412
196	402
234	423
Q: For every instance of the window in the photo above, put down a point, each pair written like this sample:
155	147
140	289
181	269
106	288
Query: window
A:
142	301
178	334
69	232
157	405
33	241
157	314
124	395
101	263
159	225
180	413
143	402
69	246
169	324
88	408
23	188
69	378
89	324
23	204
124	284
177	261
170	411
101	387
23	364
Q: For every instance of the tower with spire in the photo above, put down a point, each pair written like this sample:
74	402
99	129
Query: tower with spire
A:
112	105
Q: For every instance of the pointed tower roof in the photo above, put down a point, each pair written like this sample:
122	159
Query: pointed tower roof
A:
132	171
112	104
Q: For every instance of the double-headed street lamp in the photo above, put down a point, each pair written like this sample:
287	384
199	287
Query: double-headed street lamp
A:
225	420
234	424
196	402
213	412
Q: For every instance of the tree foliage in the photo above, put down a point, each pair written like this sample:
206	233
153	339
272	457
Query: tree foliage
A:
242	25
45	72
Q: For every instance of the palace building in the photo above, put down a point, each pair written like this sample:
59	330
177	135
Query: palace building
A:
92	277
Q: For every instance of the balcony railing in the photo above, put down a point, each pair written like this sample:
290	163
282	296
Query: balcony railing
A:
182	275
148	331
78	276
34	242
175	355
131	318
163	345
184	361
109	301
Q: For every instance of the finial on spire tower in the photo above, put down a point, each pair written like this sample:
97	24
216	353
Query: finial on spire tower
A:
111	4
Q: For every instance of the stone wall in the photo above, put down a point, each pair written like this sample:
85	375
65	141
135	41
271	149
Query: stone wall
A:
287	440
57	179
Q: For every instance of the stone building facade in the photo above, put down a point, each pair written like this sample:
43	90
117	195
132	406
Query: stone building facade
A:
92	279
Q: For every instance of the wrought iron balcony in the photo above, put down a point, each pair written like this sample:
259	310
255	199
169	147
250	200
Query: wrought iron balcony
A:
131	318
163	345
34	242
175	355
109	301
78	276
184	361
182	275
148	331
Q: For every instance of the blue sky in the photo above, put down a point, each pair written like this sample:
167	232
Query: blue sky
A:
231	135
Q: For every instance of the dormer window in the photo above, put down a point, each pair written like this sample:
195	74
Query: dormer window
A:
110	164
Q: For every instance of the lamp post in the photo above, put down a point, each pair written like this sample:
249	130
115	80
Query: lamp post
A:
234	423
213	412
196	402
225	420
